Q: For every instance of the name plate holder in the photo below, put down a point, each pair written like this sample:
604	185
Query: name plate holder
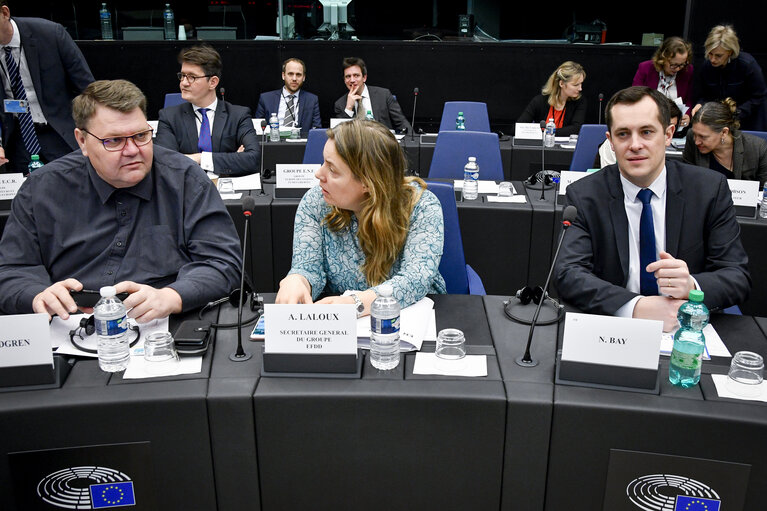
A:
745	196
26	354
315	341
528	134
293	180
610	353
566	178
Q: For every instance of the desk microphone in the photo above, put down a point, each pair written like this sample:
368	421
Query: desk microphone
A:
527	360
601	98
264	172
223	91
412	126
248	207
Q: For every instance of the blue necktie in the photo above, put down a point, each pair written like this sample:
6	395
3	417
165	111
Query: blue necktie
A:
648	286
204	144
28	134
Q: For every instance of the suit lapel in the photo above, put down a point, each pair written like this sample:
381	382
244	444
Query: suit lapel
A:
219	123
29	44
302	119
674	208
619	220
189	126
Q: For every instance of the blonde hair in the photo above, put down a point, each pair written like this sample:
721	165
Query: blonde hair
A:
565	72
669	48
724	36
120	95
377	161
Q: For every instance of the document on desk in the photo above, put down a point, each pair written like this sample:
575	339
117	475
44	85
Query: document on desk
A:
249	182
417	324
714	345
140	368
758	393
514	199
60	334
483	186
470	365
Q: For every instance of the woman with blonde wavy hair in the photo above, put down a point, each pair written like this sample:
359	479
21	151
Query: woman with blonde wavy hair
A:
560	99
365	224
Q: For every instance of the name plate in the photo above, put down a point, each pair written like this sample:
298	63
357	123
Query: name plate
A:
335	121
611	351
566	178
9	185
26	352
313	329
745	196
296	176
528	131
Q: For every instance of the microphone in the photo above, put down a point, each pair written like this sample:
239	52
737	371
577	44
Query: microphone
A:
412	126
263	149
568	216
543	166
601	98
248	207
222	93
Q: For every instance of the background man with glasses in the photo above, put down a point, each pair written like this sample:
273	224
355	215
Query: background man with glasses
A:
217	135
120	212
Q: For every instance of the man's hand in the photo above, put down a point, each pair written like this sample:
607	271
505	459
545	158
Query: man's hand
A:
673	276
355	94
56	299
695	109
3	159
660	308
241	149
294	289
196	157
147	303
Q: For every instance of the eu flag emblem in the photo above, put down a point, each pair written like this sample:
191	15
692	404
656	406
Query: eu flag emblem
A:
112	495
686	503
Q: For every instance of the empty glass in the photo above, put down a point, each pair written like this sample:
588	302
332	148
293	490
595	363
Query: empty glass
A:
505	189
295	133
451	344
225	185
160	352
745	374
573	140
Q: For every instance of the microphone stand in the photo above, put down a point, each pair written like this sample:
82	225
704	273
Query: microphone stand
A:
263	149
543	166
412	126
239	355
601	98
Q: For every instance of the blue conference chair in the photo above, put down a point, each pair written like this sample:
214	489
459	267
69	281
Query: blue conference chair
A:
453	149
315	143
474	112
760	134
459	277
590	138
173	99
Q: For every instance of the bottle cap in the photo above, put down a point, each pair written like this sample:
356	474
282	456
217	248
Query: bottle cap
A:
107	291
472	158
696	295
460	113
35	157
385	290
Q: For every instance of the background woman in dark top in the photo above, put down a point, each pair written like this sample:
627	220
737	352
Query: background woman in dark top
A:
731	73
561	100
716	142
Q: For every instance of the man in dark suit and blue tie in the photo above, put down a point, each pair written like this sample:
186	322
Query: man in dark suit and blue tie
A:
42	71
214	133
293	106
650	230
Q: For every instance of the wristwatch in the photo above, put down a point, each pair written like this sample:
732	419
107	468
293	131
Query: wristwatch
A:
358	304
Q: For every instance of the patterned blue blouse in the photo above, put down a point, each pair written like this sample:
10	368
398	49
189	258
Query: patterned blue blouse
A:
332	261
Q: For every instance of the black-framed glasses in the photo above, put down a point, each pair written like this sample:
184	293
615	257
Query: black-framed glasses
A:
118	143
190	78
677	66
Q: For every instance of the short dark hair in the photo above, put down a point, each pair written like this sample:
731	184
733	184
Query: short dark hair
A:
355	61
202	55
297	61
633	95
120	95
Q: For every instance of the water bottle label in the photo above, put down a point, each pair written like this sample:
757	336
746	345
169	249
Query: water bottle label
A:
471	174
111	326
384	326
688	361
105	15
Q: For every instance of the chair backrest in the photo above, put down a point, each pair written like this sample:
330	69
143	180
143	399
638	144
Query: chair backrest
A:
315	143
173	99
760	134
452	267
475	113
590	138
453	149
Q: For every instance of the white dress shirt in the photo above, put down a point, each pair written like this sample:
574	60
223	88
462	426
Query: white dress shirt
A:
284	106
26	78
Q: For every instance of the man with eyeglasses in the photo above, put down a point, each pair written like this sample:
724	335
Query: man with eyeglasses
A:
216	134
294	107
120	212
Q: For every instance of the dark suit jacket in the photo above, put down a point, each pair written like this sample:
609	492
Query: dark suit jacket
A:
59	73
749	156
232	127
575	113
648	76
308	108
386	110
701	229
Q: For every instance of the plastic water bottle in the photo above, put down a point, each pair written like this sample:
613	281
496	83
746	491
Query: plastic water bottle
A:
471	179
274	128
460	122
384	330
369	116
169	22
34	163
689	342
763	207
112	330
548	137
106	23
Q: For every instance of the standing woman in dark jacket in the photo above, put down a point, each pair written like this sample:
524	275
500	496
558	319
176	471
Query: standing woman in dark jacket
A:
716	142
731	73
560	100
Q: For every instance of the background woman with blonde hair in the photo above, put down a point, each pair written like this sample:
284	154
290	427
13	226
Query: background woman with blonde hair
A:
729	72
560	100
716	142
365	224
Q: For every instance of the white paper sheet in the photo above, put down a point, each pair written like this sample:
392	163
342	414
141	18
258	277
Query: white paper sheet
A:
714	345
140	368
417	324
470	365
249	182
231	196
483	186
60	334
720	380
515	199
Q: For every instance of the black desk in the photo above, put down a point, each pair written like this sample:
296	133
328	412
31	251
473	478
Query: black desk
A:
526	159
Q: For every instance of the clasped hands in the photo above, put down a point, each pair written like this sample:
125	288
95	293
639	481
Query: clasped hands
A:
296	289
675	282
144	304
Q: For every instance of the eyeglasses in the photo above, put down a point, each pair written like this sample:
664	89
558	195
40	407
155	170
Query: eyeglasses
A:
118	143
190	78
677	66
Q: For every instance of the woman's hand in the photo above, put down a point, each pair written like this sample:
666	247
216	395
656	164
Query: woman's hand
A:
294	289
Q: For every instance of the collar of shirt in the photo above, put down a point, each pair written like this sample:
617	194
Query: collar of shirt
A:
658	187
286	93
211	108
142	190
15	38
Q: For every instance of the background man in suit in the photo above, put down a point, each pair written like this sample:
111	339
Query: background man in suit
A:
648	230
293	106
217	135
362	97
43	66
